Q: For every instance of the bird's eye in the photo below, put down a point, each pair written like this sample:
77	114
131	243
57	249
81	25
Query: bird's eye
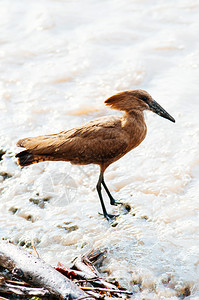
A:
144	98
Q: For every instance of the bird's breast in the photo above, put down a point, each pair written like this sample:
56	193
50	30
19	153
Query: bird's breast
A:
136	130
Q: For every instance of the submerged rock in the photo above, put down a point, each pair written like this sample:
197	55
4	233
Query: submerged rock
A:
68	227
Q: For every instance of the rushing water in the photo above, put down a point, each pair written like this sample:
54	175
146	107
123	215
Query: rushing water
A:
59	60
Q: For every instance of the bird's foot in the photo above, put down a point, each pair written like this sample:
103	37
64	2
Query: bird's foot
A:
110	218
124	206
114	202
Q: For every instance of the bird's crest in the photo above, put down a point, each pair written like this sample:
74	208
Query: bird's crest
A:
115	98
118	101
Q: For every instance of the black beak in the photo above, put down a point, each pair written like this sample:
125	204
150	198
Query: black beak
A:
156	108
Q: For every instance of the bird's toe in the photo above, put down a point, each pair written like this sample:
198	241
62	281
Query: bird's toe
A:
110	218
115	202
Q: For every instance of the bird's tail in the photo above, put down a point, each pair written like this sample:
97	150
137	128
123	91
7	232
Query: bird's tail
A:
26	158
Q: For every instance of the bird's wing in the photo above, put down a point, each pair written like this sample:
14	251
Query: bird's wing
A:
94	142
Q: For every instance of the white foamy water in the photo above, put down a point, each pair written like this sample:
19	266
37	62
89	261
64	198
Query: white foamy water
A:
59	60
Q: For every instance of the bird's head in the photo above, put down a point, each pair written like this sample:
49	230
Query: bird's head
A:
137	100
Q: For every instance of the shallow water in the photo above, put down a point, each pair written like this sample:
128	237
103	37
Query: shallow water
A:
59	60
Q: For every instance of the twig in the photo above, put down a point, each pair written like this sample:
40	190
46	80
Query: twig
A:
23	283
33	246
22	290
89	279
95	295
106	290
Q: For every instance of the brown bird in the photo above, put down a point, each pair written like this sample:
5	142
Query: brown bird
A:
101	141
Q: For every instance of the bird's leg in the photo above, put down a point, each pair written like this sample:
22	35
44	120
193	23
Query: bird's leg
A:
112	200
99	190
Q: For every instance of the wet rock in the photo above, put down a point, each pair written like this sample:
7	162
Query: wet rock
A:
5	175
2	152
186	292
68	227
183	292
13	209
29	218
23	243
114	224
84	244
28	243
39	201
126	208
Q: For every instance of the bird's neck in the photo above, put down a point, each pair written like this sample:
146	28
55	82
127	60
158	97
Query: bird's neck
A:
134	124
134	116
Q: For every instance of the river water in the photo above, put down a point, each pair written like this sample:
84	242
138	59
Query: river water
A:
59	61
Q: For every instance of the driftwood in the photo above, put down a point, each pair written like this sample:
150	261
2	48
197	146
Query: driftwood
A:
82	280
36	272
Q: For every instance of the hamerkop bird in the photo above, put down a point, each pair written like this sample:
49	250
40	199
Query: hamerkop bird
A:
101	141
